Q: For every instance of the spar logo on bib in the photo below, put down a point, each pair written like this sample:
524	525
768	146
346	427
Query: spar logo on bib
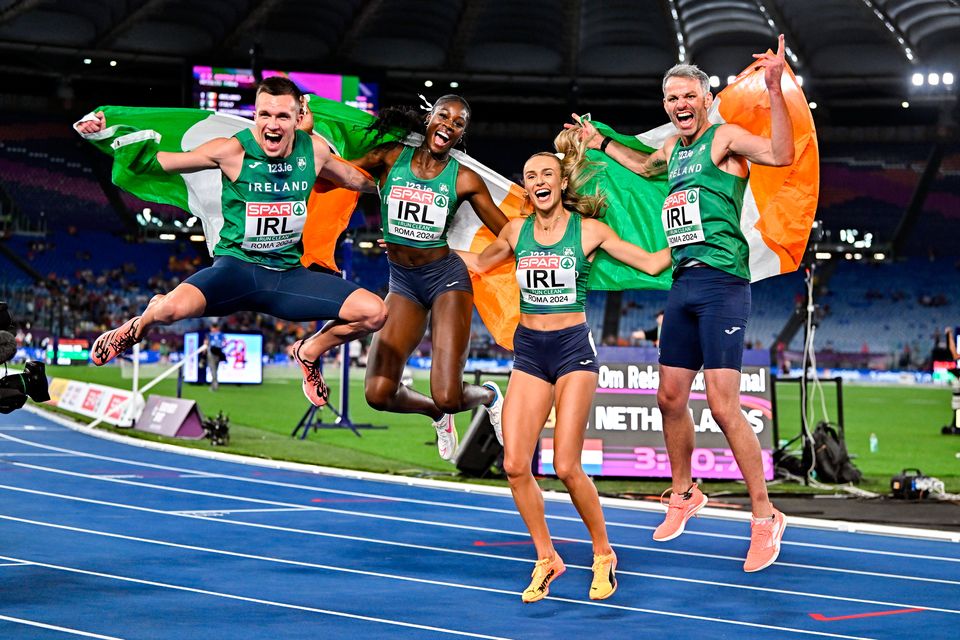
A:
416	214
547	280
273	225
681	217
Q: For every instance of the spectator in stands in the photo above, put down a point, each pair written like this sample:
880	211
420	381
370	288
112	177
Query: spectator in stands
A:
269	173
653	333
709	303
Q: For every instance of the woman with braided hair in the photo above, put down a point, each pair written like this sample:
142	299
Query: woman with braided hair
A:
420	189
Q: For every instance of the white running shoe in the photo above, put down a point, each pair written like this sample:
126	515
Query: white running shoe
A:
447	440
495	410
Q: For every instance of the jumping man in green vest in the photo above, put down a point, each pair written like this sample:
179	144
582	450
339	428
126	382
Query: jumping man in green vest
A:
268	173
709	303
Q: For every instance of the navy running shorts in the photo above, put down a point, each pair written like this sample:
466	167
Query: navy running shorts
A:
550	355
425	283
298	294
704	320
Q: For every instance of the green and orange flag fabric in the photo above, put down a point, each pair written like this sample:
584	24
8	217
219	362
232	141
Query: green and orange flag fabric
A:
776	219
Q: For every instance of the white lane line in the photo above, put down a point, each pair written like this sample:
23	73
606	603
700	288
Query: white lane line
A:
76	632
226	512
420	547
11	564
28	427
840	526
376	574
272	603
360	514
36	455
448	505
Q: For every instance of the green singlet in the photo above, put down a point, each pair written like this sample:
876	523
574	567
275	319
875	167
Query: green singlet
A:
702	213
552	279
265	209
416	212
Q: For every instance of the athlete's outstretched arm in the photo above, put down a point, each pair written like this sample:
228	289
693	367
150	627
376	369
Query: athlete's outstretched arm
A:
777	150
496	253
209	155
338	171
644	164
471	187
597	235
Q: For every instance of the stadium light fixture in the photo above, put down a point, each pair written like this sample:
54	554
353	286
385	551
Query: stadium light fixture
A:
933	78
905	104
879	256
428	83
947	78
799	79
823	255
113	63
196	238
730	79
813	105
365	244
167	236
454	84
87	61
714	81
917	79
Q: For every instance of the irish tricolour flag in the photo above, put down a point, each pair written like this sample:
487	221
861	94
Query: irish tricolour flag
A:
777	216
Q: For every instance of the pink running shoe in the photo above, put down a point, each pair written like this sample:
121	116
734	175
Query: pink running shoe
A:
314	387
682	507
765	536
116	341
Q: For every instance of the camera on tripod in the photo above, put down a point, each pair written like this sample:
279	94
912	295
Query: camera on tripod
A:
17	387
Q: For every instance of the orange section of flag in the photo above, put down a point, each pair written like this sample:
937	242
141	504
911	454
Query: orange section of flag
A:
786	196
328	213
496	293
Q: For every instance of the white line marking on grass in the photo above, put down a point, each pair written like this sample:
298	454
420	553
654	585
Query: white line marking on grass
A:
76	632
271	603
376	574
819	524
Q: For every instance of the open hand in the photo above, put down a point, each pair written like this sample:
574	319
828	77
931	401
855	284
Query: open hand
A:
588	133
772	64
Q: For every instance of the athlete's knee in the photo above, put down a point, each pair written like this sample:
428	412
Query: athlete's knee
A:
379	394
516	467
366	310
449	400
726	412
567	470
671	401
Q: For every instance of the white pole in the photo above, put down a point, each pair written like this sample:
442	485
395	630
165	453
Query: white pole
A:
135	395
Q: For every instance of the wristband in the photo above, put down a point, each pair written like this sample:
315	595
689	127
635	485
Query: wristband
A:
603	145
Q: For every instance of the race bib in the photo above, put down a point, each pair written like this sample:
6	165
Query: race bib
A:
271	226
681	217
547	280
416	214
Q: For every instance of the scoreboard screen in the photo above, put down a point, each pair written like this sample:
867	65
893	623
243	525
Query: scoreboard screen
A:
69	351
233	91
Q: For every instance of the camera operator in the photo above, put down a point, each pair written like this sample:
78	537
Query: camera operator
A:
15	388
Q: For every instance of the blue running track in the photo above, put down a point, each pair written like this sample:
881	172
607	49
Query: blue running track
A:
105	538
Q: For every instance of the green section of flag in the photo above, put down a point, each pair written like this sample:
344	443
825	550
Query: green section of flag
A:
634	205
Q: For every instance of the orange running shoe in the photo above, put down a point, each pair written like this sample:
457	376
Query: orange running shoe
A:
544	572
116	341
314	387
682	507
604	576
765	536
